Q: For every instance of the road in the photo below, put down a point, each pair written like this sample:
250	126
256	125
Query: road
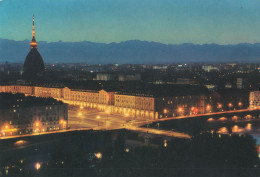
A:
87	118
194	116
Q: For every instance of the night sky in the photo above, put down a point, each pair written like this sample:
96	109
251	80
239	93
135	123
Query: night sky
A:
165	21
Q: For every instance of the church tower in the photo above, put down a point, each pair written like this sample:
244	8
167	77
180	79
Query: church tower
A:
33	65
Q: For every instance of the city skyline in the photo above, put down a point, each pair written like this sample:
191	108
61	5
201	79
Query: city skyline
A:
167	22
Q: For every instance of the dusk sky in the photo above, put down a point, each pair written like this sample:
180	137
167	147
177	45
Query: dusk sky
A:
106	21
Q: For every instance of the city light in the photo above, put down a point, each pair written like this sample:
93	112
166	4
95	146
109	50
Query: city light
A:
219	106
165	143
249	126
6	126
180	109
210	120
37	124
98	155
165	111
230	105
223	130
240	104
37	166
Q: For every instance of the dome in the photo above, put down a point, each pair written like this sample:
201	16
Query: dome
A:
33	64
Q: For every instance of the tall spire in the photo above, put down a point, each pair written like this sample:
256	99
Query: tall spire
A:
33	43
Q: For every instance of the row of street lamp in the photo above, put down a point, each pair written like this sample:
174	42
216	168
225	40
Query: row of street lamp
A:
208	108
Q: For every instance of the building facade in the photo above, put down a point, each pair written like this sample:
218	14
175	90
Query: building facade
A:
140	105
23	115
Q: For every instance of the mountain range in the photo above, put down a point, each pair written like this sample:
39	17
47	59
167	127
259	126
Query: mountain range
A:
130	52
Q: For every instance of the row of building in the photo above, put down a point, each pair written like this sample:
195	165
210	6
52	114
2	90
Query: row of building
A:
152	105
20	114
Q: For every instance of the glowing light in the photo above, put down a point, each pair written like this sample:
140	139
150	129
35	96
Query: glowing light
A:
180	109
211	120
98	117
37	124
165	143
37	166
236	129
98	155
208	107
222	119
219	106
165	111
223	130
234	118
6	126
20	143
127	150
230	105
248	116
80	114
248	126
240	104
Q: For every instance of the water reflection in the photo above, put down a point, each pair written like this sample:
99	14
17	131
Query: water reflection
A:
249	126
211	120
234	118
236	129
223	130
222	119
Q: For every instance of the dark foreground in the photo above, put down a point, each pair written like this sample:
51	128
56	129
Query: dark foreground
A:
109	153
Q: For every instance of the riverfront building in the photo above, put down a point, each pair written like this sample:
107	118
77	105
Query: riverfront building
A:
20	114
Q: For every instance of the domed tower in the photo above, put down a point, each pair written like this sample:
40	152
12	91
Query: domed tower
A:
33	65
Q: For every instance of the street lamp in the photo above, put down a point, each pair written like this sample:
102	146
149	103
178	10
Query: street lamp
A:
165	111
180	110
219	106
37	166
208	108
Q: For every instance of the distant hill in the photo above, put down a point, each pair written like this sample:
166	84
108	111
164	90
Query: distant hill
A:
131	52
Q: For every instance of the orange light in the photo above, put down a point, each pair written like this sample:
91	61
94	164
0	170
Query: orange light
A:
61	121
37	124
211	120
180	109
37	166
208	107
240	104
6	126
230	105
223	130
249	126
165	111
98	155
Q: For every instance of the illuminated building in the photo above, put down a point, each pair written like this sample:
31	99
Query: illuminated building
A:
254	99
33	65
160	104
21	115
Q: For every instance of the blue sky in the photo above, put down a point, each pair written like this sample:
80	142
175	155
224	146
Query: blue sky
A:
165	21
